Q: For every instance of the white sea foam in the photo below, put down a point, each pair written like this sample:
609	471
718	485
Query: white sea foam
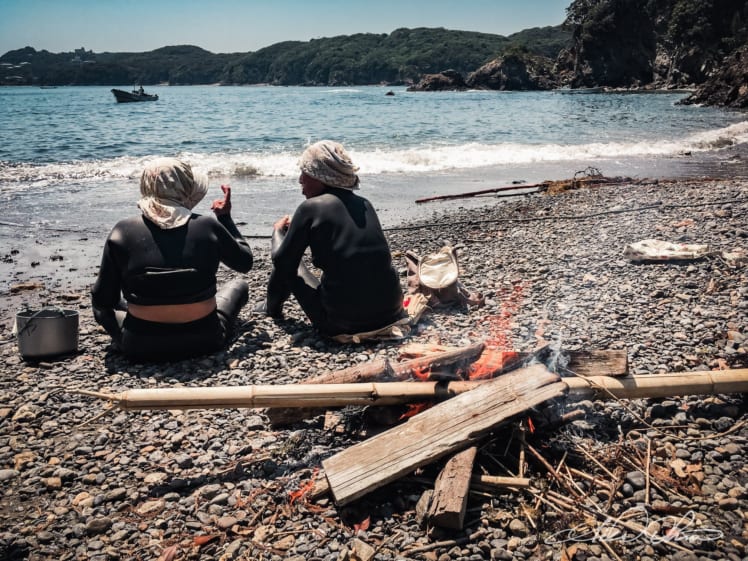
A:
422	159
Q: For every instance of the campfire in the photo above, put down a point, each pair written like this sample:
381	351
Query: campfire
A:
480	420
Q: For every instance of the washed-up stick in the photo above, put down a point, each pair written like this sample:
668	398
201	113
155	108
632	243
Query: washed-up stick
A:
660	385
554	498
445	544
289	395
552	470
500	481
562	508
597	462
571	480
522	443
536	186
661	488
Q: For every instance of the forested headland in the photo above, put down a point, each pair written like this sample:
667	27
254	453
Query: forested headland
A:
400	57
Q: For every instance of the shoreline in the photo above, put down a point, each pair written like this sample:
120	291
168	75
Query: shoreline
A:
551	268
64	258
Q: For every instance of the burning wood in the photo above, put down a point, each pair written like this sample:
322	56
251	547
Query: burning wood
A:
445	428
455	359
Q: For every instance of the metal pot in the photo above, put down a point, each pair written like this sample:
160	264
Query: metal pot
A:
47	333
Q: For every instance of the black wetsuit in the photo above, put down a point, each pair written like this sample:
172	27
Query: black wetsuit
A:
152	266
359	289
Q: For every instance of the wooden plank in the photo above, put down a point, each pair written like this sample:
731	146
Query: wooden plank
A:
584	363
451	490
599	363
445	428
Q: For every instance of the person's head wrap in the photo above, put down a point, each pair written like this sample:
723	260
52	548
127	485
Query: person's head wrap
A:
328	162
170	190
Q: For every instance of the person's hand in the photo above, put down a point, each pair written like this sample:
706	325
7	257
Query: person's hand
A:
282	223
222	206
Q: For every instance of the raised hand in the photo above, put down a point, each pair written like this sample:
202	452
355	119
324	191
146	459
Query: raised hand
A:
222	206
282	223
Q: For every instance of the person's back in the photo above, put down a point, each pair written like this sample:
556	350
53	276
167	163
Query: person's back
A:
359	290
156	292
359	287
175	266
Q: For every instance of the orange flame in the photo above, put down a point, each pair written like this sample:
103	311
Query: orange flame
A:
490	362
414	409
304	489
498	353
363	525
422	373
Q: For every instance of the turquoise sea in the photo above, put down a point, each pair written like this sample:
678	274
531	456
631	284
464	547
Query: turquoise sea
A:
70	157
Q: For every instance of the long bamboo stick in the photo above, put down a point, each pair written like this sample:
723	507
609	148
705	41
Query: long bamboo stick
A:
391	393
660	385
289	395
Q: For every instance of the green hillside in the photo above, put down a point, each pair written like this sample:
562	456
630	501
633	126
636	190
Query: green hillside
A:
364	58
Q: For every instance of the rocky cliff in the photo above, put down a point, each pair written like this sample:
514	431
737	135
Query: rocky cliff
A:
447	80
728	86
514	71
650	43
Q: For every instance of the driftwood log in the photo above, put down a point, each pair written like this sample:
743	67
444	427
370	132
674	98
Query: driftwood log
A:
379	370
520	188
451	490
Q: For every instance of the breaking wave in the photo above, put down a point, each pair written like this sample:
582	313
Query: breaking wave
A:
378	160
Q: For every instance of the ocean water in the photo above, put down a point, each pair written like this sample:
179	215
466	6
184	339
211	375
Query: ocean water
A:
70	157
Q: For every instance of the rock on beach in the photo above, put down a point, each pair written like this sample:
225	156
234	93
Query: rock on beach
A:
218	484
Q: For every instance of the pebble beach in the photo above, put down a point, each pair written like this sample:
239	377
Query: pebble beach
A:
83	482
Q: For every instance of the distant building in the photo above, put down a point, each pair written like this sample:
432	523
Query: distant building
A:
82	55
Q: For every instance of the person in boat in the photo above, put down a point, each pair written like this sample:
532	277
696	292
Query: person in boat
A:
141	91
359	290
164	263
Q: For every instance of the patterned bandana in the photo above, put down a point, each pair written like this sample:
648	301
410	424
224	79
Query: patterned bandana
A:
170	190
328	162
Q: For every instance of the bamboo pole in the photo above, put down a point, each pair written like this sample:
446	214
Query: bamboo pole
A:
288	395
660	385
391	393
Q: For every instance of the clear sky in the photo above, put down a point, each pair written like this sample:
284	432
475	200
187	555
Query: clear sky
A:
225	26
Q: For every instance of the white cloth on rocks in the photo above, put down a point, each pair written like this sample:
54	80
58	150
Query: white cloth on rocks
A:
170	190
658	250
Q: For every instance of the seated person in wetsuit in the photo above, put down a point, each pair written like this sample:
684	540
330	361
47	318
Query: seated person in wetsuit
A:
164	262
359	290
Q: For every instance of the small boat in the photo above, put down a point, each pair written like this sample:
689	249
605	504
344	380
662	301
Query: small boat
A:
125	97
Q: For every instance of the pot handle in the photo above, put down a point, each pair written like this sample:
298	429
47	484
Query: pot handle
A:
29	327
